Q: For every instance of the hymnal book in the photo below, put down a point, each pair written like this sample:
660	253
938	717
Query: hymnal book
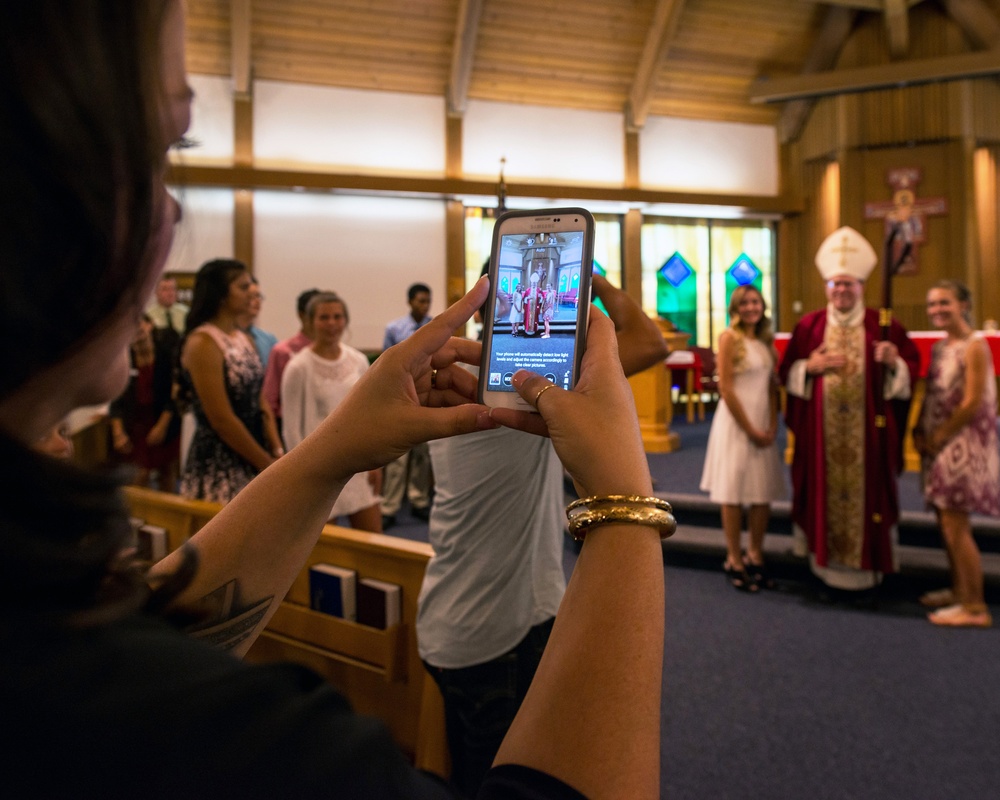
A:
135	523
379	603
332	590
151	543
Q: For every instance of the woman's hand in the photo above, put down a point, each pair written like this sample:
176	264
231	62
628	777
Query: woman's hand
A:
936	441
158	433
414	392
594	427
120	440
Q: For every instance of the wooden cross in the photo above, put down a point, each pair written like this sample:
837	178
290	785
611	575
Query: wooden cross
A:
908	212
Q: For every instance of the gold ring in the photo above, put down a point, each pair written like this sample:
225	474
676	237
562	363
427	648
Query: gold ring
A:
434	379
542	391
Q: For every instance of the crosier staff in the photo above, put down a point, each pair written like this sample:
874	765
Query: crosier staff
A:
890	267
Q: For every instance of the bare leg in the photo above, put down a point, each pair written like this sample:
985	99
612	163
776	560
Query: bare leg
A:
939	598
367	519
964	555
757	522
732	527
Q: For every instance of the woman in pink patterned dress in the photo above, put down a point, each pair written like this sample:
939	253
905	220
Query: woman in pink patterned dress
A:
957	439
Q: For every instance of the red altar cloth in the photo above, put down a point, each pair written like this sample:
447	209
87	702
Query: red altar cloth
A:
924	340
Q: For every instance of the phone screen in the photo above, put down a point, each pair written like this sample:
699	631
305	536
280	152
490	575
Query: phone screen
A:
542	278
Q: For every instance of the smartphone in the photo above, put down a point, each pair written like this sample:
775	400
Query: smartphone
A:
536	314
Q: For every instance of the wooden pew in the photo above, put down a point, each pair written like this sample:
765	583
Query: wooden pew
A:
379	671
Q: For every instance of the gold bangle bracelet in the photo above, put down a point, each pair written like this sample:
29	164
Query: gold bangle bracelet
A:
658	518
621	499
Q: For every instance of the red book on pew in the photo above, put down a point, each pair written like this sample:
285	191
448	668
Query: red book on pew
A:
379	603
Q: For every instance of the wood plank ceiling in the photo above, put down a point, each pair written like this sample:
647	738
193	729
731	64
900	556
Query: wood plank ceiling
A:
702	59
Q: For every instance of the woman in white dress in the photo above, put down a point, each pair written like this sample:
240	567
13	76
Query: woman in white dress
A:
314	383
742	465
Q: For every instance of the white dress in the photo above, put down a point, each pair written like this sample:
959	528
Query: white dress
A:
312	387
736	471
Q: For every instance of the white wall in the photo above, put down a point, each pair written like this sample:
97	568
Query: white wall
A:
211	122
205	230
550	145
367	249
347	129
697	156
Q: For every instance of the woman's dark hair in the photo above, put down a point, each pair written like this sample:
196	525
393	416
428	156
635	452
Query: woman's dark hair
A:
962	295
211	287
82	152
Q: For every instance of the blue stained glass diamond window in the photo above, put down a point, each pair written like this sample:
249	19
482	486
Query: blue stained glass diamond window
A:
676	270
743	270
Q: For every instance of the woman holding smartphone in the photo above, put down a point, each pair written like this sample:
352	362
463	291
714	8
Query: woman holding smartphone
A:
956	437
130	682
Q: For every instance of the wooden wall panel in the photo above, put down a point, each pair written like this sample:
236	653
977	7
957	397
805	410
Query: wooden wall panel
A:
987	304
944	254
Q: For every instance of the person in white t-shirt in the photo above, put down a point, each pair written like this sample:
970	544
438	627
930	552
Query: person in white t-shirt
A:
314	383
492	589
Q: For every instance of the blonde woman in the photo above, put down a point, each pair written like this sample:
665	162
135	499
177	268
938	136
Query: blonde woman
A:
742	465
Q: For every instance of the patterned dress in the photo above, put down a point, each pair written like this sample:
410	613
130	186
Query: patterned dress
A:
965	474
213	470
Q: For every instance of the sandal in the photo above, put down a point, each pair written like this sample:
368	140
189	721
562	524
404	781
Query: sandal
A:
758	574
958	616
738	578
939	598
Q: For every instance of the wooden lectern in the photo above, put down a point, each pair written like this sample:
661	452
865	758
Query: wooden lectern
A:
653	400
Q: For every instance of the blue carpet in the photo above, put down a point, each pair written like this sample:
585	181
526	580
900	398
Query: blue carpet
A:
794	694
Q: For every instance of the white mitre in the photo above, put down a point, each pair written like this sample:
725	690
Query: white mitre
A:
846	252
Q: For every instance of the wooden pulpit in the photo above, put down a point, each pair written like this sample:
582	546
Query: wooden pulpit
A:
653	399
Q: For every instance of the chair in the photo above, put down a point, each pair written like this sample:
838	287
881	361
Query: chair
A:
698	367
708	379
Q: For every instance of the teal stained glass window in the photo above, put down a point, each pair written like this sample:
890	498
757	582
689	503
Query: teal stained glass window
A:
677	295
743	270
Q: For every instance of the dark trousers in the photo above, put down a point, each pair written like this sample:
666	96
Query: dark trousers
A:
480	703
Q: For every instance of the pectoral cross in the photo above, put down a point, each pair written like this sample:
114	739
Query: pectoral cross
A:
844	250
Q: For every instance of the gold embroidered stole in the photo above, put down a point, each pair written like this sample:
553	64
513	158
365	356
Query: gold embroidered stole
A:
844	435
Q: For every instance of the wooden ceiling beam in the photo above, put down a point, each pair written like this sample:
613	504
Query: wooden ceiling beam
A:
666	16
897	25
884	76
463	54
863	5
239	27
256	178
837	27
976	19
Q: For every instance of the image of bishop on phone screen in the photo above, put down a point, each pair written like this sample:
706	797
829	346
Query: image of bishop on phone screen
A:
538	296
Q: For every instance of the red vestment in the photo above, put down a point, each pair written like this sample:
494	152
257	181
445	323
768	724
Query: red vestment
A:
532	306
883	462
